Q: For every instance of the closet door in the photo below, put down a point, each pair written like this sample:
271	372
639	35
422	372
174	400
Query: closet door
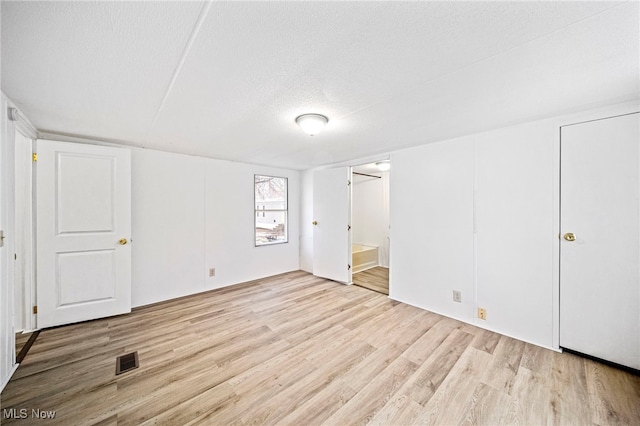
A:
600	239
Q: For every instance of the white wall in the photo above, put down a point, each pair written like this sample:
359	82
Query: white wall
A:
476	215
190	214
515	230
306	217
370	213
432	227
230	242
167	226
480	214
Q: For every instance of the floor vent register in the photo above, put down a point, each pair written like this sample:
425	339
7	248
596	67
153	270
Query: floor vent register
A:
126	363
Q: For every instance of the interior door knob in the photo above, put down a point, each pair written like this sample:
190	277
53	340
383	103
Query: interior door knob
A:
122	241
315	222
570	236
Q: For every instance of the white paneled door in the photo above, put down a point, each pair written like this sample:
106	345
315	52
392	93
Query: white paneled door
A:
331	224
600	239
83	232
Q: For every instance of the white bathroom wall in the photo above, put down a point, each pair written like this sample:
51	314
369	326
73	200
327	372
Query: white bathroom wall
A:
190	214
369	214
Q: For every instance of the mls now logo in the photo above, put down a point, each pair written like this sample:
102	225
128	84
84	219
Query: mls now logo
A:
14	413
23	413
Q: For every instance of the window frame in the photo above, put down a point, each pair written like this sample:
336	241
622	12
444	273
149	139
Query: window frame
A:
257	211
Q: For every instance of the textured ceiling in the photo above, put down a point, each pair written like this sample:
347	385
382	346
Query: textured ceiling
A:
226	80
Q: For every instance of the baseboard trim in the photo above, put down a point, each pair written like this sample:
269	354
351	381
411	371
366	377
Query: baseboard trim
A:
9	376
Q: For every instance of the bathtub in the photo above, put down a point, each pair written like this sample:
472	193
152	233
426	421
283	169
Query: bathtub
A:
363	257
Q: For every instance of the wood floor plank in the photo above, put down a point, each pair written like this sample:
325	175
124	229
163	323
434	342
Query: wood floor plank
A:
452	400
322	405
298	349
294	397
399	410
486	406
424	347
369	400
531	400
424	384
569	397
376	279
610	405
184	412
506	362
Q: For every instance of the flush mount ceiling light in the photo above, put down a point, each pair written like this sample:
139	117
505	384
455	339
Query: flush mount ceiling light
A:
383	166
312	124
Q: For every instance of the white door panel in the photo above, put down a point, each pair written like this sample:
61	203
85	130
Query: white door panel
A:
599	271
83	211
332	213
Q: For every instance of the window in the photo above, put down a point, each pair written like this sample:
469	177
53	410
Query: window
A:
271	207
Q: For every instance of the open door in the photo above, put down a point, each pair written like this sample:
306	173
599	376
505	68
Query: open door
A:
332	220
83	222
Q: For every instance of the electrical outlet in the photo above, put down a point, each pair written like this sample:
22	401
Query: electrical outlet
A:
457	296
482	313
212	272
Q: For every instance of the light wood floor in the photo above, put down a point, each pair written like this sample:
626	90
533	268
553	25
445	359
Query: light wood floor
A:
376	279
299	350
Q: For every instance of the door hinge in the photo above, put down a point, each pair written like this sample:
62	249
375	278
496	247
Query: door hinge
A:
348	267
348	227
15	256
348	182
35	309
35	156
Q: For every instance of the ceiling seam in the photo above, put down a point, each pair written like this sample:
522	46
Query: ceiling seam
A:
457	70
183	57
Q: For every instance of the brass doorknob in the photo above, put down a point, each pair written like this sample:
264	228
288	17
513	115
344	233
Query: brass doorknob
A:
315	222
122	241
570	236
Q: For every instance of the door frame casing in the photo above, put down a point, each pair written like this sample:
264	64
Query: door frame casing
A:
25	166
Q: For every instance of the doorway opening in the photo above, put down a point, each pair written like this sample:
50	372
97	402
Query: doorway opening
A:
370	226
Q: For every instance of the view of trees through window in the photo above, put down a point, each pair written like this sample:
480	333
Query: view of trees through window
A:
270	210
